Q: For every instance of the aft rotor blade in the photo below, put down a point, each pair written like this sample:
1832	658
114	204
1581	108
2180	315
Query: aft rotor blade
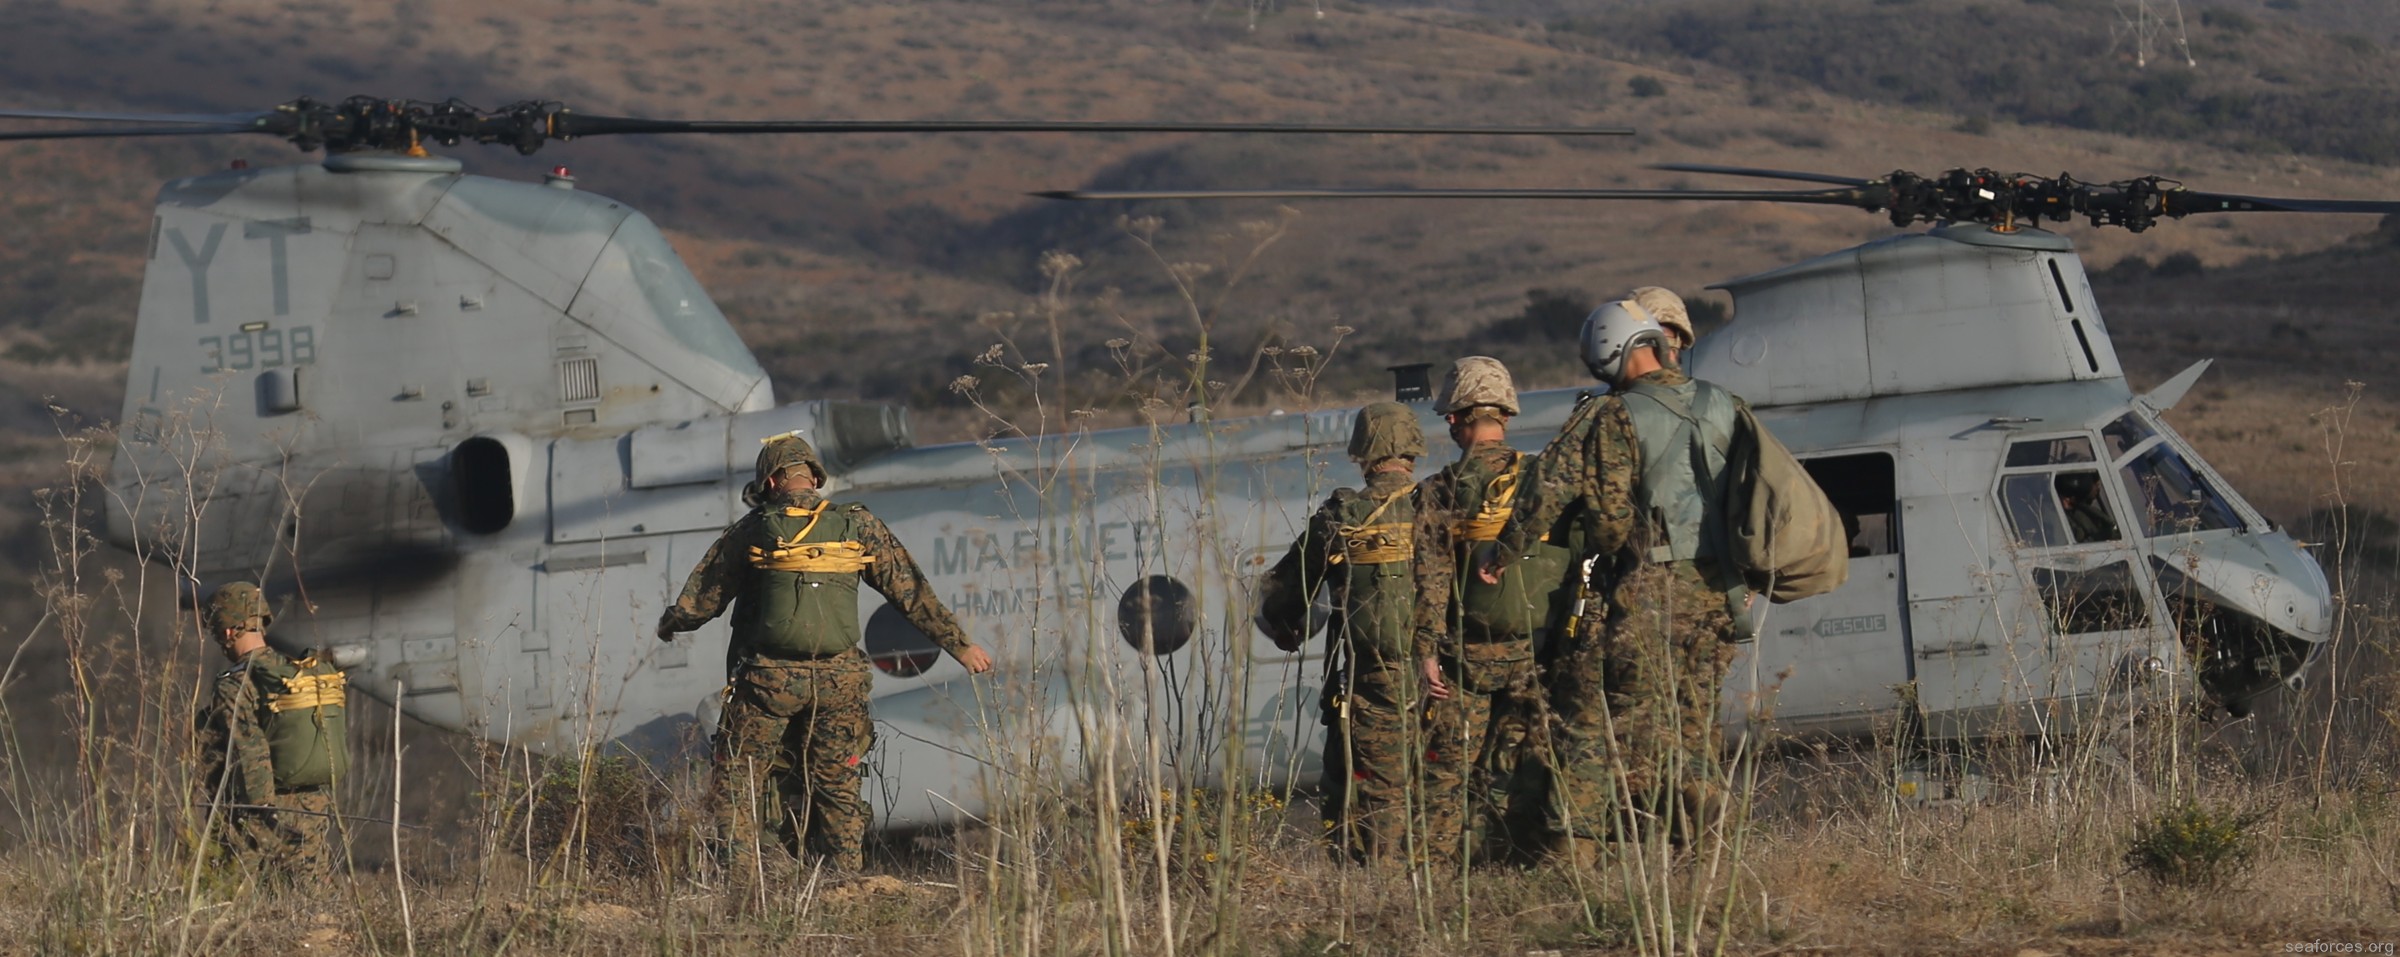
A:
2184	202
570	125
98	132
1836	197
1761	173
196	119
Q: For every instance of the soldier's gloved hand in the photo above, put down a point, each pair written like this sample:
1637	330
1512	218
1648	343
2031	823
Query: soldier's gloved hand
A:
1487	565
1284	640
976	659
1434	685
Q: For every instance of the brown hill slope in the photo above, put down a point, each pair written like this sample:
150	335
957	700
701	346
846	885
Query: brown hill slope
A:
859	265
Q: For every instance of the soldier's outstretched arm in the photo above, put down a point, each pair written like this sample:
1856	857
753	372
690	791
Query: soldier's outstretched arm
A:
1550	485
1291	586
713	584
895	574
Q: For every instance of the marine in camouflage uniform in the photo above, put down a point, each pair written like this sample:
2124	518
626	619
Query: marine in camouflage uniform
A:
1635	688
1357	544
271	743
795	731
1667	309
1477	642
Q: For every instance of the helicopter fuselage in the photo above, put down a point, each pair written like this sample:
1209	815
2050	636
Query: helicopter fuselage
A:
477	432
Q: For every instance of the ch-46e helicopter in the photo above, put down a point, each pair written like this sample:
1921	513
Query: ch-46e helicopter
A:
475	432
2027	534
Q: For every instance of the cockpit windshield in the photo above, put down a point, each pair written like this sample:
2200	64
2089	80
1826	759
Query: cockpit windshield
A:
2170	496
674	296
2124	434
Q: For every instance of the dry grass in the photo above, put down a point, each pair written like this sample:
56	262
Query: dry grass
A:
582	854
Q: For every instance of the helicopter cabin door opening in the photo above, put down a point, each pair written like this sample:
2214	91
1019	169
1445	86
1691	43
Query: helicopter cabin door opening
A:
1829	663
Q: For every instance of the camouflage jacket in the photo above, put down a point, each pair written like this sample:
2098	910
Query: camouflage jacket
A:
724	576
1291	586
234	754
1443	499
1592	464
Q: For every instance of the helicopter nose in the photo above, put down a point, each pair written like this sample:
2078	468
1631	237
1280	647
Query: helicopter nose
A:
2269	576
2253	609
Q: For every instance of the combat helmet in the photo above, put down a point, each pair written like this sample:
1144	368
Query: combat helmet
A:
787	450
1612	332
1474	381
234	605
1667	309
1386	430
779	452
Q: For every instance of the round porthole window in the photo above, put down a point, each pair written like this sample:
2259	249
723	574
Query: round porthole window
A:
896	647
1158	615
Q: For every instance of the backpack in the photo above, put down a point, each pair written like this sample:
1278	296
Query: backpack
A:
302	710
1781	531
1764	517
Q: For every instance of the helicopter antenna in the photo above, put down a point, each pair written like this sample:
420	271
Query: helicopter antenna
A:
2004	201
2146	23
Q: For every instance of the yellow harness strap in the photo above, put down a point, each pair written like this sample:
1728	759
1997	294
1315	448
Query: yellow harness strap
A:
829	558
309	691
1368	543
1499	501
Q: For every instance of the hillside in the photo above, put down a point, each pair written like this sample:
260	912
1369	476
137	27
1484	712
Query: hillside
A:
836	243
2260	81
879	266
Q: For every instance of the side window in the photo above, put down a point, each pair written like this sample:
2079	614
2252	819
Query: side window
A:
2086	505
2033	515
2100	599
2050	503
1861	487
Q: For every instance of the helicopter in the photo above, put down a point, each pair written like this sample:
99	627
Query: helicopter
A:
2029	539
473	432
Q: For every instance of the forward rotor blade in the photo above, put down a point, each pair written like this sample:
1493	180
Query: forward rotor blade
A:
1836	197
100	132
196	119
570	125
2184	202
1761	173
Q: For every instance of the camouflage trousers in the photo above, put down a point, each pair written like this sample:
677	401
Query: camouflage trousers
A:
1371	739
299	845
790	752
1474	742
1634	747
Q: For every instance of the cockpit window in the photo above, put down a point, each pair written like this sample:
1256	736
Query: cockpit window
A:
674	296
2058	508
2124	434
2088	516
2033	517
2059	451
2171	498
